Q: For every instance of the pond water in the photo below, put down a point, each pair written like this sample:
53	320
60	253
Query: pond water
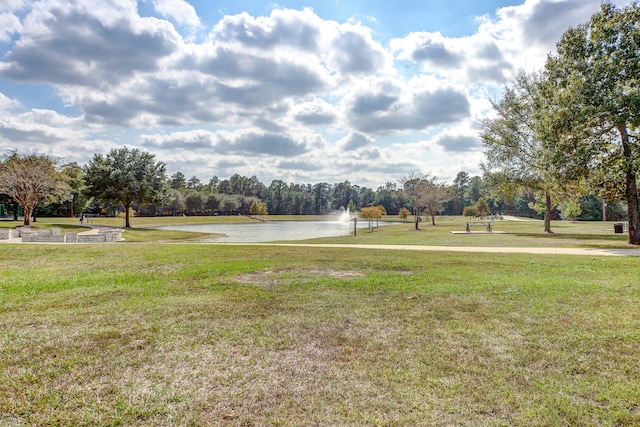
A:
269	231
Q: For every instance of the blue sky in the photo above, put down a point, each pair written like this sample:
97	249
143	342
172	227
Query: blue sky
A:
302	91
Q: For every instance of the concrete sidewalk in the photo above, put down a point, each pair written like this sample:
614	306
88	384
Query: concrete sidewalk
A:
468	249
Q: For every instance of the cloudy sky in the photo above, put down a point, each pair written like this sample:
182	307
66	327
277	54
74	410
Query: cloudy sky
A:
305	91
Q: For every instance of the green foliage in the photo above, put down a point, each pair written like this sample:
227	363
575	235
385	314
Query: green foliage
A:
255	208
470	211
178	181
229	204
570	210
258	208
351	206
539	203
592	100
124	175
482	207
517	147
74	177
195	201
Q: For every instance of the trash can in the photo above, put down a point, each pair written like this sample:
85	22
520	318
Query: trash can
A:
618	227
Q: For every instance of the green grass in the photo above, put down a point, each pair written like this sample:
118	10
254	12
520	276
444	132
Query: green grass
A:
528	233
183	334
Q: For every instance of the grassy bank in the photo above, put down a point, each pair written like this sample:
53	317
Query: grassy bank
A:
179	334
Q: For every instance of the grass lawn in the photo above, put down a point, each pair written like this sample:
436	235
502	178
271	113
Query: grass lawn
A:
191	334
527	233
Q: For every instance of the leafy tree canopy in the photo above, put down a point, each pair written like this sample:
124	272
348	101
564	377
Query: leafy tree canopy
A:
125	175
30	180
592	95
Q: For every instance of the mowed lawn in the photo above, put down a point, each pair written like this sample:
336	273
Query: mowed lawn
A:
148	334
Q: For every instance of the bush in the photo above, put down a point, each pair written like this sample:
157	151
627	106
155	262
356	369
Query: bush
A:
132	213
470	211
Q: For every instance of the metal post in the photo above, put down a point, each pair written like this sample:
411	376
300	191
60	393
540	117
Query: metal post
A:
355	226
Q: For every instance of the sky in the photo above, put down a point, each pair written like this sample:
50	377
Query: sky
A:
310	91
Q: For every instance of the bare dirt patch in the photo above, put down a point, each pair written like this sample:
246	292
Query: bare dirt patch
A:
275	277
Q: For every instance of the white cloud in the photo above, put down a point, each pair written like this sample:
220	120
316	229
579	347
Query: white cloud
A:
301	30
288	95
315	112
7	103
385	105
458	141
472	60
179	10
354	52
355	141
75	44
527	33
251	142
9	24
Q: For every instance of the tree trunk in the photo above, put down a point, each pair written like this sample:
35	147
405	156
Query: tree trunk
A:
26	212
631	190
416	218
634	214
126	215
547	212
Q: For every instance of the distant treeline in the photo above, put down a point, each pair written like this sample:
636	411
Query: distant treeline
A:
235	195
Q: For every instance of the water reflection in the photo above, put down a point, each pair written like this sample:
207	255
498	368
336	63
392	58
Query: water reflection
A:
270	231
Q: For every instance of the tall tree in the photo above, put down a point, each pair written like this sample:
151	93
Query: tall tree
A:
30	180
176	202
125	175
424	192
515	148
412	190
276	196
321	197
436	194
476	188
461	184
343	194
389	197
194	183
593	100
178	181
73	174
195	202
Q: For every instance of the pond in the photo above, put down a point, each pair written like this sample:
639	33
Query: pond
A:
269	231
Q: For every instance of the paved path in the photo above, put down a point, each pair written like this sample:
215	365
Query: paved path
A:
483	249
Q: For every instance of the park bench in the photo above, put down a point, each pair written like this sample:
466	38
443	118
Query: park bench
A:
476	223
